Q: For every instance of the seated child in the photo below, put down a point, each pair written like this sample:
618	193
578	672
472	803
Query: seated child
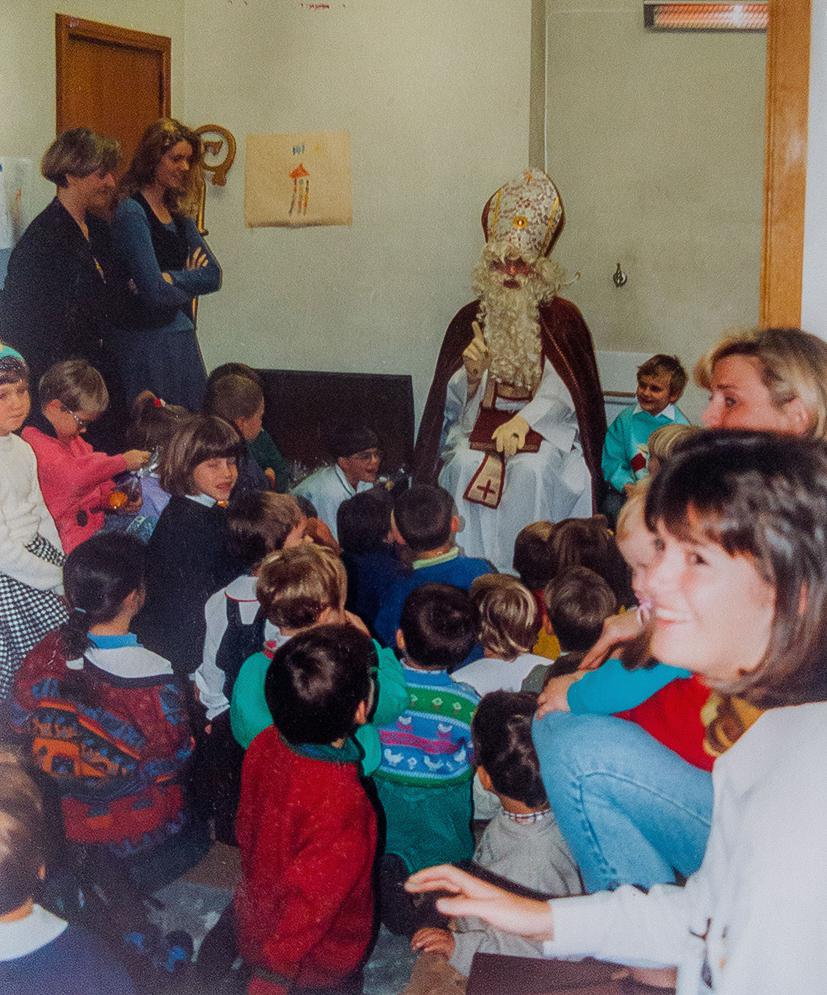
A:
357	457
188	555
666	440
642	693
38	951
31	554
240	401
426	522
578	602
258	522
153	424
660	383
534	566
307	831
368	551
107	720
75	480
424	779
508	626
589	542
522	844
298	590
265	452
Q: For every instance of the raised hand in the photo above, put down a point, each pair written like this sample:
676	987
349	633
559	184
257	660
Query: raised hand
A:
476	357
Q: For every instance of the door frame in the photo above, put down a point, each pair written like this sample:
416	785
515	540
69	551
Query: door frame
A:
785	162
68	28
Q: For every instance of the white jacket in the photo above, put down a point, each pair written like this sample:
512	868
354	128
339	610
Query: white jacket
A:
753	919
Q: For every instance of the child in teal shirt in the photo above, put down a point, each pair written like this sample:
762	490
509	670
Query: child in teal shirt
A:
299	589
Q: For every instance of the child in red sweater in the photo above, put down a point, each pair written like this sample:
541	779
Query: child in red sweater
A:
75	480
306	829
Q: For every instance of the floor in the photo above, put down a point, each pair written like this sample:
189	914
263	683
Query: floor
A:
195	902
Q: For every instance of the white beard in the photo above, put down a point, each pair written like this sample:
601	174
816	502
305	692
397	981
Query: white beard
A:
510	317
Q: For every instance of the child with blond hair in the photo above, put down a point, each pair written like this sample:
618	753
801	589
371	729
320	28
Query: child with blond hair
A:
298	589
509	624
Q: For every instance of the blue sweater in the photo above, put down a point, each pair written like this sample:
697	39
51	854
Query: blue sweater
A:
73	963
612	688
452	568
627	439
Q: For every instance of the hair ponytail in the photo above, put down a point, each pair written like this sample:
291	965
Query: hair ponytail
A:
74	635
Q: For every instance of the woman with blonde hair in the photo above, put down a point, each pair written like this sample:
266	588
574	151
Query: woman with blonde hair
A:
156	237
772	379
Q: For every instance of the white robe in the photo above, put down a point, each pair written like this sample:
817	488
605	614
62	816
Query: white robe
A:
327	489
550	485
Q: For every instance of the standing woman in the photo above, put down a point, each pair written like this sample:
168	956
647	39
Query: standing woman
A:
157	240
60	288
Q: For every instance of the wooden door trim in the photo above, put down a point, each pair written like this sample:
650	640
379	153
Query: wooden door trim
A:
68	27
785	162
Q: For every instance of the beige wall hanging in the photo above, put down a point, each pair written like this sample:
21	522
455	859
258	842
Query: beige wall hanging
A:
294	180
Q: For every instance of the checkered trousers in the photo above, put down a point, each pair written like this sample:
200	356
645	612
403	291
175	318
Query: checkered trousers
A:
26	615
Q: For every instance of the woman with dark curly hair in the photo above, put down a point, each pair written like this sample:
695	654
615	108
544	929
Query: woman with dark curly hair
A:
156	237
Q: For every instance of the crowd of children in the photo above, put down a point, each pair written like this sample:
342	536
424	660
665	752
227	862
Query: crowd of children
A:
189	653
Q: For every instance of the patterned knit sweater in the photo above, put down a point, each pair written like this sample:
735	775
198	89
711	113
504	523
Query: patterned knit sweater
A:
118	754
430	743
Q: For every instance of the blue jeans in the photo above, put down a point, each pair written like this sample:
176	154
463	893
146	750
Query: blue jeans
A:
631	811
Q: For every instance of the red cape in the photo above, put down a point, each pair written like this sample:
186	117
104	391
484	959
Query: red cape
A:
567	345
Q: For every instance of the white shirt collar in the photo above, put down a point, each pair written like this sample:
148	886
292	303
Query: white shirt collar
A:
669	412
204	499
24	936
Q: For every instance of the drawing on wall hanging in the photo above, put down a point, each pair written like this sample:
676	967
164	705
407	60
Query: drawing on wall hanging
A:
294	180
15	205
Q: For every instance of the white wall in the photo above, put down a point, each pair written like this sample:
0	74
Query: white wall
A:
656	141
436	98
27	67
814	290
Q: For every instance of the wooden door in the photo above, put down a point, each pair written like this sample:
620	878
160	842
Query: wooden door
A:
110	79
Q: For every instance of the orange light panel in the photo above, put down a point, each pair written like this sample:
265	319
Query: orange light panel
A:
706	16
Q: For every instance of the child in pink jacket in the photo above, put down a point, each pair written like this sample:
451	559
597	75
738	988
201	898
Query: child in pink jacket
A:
75	480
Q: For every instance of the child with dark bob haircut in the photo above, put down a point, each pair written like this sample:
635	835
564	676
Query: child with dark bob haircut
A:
189	558
522	844
426	522
306	828
424	779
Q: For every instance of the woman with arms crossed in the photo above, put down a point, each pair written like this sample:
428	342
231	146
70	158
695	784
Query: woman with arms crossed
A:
169	263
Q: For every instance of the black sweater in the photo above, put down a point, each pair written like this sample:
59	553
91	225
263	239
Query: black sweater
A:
187	561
